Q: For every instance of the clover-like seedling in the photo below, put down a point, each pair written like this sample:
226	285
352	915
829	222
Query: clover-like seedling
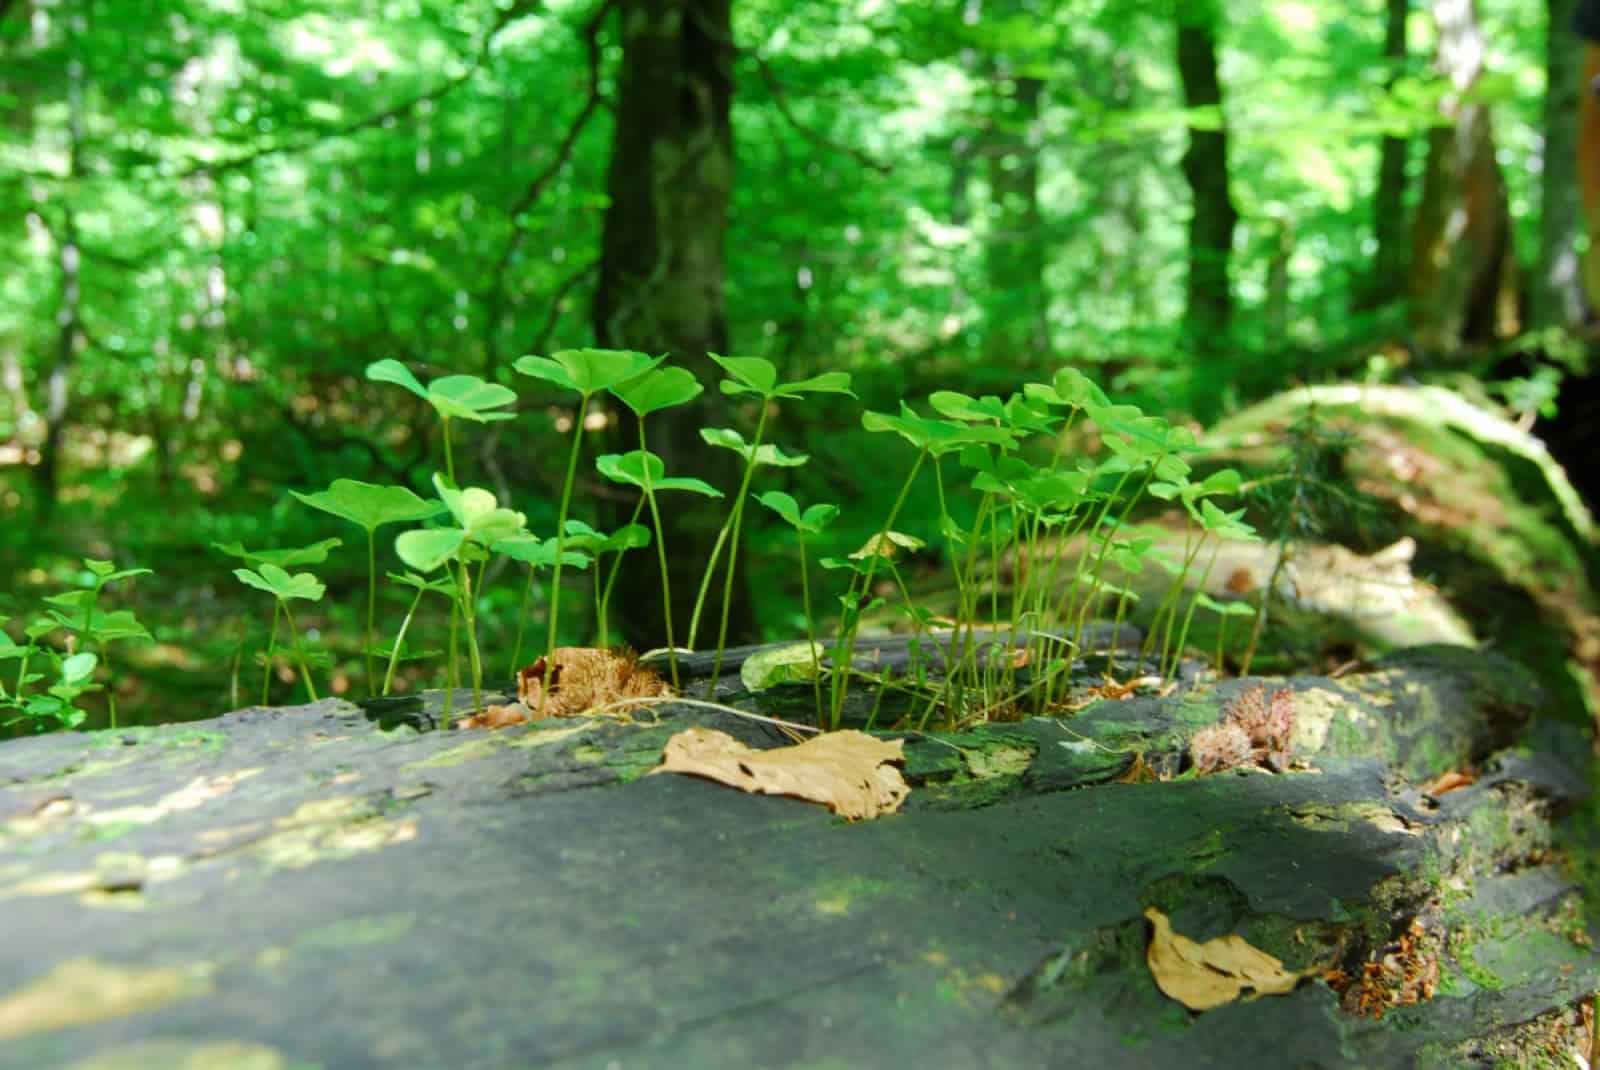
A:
453	397
536	553
284	589
643	469
291	557
421	585
315	554
759	377
1221	526
1212	521
811	521
75	675
480	523
655	390
369	507
587	372
1225	611
77	613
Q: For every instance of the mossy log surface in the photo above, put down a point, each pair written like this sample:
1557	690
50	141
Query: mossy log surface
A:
298	888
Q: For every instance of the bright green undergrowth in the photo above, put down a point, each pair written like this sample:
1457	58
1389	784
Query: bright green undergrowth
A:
1061	518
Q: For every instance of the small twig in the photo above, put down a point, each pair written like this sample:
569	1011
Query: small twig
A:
781	100
530	195
670	700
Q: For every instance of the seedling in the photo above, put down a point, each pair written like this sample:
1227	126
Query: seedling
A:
315	554
284	589
421	586
812	521
648	472
658	389
536	553
587	372
369	507
453	397
758	377
480	523
76	612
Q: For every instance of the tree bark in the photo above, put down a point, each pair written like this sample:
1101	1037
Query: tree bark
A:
1589	164
1387	280
1463	268
1209	307
662	272
1016	328
1557	291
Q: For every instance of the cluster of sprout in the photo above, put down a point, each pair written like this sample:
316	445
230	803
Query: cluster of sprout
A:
1033	502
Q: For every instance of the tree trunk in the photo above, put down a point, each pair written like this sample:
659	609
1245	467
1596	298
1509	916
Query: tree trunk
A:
69	319
1209	307
661	273
1463	269
1589	164
1557	291
1386	283
1015	329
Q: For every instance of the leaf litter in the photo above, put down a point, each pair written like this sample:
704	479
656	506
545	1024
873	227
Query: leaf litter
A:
849	772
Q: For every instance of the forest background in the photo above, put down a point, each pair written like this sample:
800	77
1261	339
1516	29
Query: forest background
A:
215	215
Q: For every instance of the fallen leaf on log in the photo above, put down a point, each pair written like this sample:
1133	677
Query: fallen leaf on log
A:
1454	780
496	717
845	771
1203	976
573	679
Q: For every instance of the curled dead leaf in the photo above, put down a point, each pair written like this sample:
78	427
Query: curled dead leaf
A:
571	680
1454	780
1203	976
496	717
846	771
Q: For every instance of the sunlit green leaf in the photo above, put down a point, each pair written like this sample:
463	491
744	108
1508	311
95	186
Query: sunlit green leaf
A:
429	548
588	371
657	389
278	583
368	505
314	554
633	469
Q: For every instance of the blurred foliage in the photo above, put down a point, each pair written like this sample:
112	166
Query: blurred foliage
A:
255	201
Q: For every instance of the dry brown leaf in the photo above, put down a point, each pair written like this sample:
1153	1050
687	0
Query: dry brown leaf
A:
572	679
496	717
1454	780
1202	976
846	771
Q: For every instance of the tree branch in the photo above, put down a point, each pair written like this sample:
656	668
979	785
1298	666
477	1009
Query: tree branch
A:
536	188
781	99
552	317
398	111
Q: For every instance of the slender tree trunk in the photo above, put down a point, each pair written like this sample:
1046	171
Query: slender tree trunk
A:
1387	281
69	314
1557	290
1463	268
1016	328
1589	165
662	268
1209	300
